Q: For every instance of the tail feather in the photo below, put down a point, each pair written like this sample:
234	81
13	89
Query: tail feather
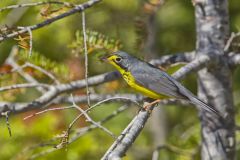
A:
202	104
194	100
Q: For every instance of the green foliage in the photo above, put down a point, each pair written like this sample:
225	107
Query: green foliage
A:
95	42
58	69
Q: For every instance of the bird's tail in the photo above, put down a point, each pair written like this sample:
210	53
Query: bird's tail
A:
202	104
194	100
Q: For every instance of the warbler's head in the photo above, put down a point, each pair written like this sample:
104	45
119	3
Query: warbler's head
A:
121	60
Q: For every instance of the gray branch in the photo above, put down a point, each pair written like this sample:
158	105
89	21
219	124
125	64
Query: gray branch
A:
56	90
36	4
195	65
128	136
94	98
76	9
166	60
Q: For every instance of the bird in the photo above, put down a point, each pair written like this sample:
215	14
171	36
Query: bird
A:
151	81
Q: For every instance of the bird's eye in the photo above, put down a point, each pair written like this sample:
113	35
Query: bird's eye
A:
118	59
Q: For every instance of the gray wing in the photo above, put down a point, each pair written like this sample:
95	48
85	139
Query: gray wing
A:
157	81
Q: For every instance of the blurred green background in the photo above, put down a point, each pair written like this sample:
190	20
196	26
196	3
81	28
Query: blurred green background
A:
175	33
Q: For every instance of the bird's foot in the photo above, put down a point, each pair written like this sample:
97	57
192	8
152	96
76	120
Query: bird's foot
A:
148	105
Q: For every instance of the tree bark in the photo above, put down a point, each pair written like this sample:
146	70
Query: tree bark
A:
215	81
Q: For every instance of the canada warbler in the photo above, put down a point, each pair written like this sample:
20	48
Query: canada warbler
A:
150	80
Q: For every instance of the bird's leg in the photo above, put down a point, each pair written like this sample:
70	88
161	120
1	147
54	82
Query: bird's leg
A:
146	107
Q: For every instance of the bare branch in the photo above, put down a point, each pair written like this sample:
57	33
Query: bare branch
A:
24	85
50	75
46	110
100	97
194	65
77	8
10	60
76	134
89	119
36	4
80	132
128	136
83	99
55	90
230	40
84	112
166	60
85	55
30	41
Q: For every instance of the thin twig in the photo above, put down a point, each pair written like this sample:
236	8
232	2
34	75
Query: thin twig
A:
7	122
10	60
46	110
230	40
85	56
95	105
100	97
67	4
111	99
89	119
77	134
23	85
50	75
30	41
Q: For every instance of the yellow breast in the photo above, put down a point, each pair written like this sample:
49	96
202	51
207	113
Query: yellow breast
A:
145	91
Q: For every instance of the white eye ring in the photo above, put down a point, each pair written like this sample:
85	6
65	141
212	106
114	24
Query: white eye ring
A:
118	59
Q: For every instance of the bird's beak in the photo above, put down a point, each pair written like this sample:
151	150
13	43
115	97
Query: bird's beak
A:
105	58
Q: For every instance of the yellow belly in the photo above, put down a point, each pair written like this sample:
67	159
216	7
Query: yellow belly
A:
147	92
